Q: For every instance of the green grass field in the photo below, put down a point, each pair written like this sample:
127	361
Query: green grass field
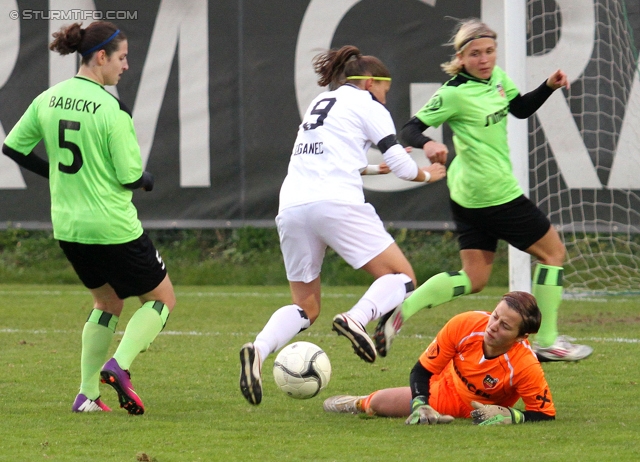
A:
194	410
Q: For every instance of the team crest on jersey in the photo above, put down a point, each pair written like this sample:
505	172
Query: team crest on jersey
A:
434	103
433	351
500	89
489	382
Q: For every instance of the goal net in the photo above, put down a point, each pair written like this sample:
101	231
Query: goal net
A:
589	185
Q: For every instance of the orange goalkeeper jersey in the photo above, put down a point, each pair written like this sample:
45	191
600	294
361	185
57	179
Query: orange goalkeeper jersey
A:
462	374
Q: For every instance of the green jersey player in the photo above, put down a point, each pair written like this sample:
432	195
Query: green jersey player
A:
487	202
93	167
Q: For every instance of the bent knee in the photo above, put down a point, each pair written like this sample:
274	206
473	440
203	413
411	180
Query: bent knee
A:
170	302
478	283
556	258
111	306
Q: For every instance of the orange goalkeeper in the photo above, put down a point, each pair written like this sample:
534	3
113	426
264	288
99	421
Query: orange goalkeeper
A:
479	365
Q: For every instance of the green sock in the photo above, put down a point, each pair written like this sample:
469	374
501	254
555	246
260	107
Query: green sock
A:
438	289
547	288
143	327
96	337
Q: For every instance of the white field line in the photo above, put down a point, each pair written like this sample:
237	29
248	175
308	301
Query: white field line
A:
214	294
588	339
178	293
194	333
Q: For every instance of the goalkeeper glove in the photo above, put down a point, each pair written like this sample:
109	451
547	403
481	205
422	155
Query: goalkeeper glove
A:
490	414
422	413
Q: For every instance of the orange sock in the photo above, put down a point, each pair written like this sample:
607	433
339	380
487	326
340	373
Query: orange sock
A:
363	404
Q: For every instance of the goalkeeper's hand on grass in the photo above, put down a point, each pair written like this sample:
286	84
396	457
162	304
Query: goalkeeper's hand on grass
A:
422	413
490	414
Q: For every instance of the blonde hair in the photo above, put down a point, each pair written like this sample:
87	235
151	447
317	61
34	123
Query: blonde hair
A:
466	31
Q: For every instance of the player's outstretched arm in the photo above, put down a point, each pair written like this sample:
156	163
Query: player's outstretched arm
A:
376	169
436	152
435	171
557	80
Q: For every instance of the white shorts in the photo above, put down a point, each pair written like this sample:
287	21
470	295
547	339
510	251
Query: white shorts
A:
354	231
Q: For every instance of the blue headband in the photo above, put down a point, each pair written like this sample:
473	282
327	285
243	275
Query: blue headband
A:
100	45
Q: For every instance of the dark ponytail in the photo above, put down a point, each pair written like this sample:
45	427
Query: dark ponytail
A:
334	66
99	35
68	39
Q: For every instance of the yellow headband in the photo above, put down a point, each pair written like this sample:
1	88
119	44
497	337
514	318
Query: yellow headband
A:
367	77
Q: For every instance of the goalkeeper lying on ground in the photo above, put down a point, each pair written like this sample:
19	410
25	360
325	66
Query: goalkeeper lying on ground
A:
478	366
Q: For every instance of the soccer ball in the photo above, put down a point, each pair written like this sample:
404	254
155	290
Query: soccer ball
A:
302	370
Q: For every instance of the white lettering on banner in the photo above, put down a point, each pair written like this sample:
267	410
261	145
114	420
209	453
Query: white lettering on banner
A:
319	24
625	171
10	175
316	31
320	21
572	54
186	23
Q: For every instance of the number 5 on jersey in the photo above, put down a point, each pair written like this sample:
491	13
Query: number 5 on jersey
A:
75	166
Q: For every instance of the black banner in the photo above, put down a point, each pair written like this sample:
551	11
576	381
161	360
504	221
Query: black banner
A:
216	90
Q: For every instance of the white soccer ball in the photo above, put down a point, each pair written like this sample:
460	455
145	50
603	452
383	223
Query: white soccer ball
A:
302	370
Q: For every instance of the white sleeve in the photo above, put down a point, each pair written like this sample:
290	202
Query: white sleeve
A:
380	130
400	162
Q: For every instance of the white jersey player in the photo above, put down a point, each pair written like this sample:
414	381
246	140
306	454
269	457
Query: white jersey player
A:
322	205
330	151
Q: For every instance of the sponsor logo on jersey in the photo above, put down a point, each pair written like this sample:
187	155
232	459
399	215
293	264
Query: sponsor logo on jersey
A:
433	351
470	386
489	382
497	116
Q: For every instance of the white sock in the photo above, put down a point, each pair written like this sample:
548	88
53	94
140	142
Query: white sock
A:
283	325
384	295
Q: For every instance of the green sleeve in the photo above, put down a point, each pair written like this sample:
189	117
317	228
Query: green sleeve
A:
441	108
124	149
24	136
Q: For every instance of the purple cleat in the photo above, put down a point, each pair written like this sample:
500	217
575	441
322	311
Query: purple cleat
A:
84	404
120	380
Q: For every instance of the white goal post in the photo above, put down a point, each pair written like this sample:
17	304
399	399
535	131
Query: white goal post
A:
508	19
